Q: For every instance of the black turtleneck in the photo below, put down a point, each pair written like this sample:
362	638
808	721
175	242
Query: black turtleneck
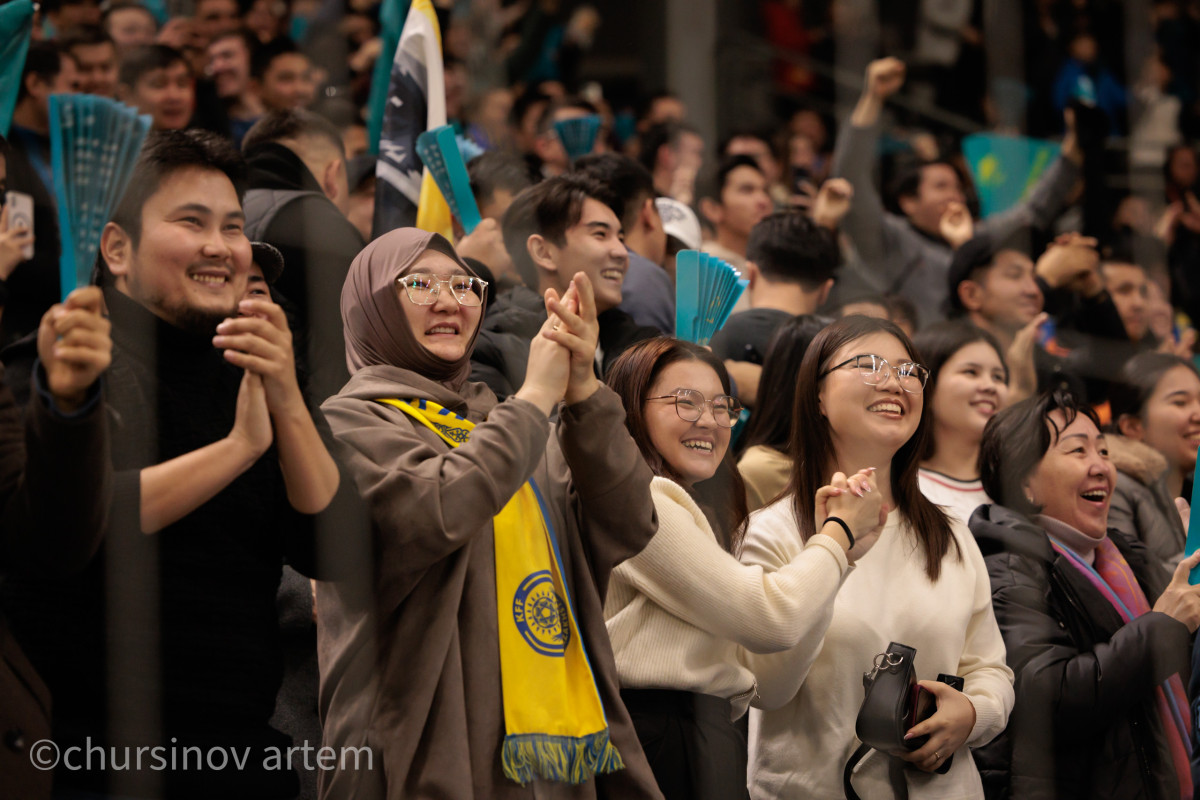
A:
212	637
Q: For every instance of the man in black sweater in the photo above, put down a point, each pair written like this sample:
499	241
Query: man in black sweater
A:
169	639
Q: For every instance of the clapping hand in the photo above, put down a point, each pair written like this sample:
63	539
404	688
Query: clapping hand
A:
261	342
578	331
857	502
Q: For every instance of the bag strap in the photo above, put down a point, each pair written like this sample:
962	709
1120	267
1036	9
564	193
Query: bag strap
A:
848	772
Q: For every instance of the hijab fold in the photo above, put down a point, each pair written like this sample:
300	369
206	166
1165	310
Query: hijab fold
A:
377	329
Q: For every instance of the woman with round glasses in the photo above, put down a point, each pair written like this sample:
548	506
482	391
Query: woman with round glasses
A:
684	616
968	384
472	659
920	582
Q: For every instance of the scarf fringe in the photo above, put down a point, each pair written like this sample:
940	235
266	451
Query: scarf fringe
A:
571	759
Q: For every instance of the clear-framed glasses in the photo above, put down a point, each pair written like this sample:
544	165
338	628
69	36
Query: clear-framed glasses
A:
423	288
875	370
690	405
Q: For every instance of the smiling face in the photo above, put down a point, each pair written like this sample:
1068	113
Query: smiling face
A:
97	65
594	245
168	95
288	83
446	327
1074	480
229	66
192	260
131	27
971	388
692	449
862	417
1171	420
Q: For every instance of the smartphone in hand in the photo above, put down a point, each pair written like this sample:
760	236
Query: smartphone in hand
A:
20	215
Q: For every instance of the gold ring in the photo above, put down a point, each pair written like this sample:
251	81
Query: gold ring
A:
937	756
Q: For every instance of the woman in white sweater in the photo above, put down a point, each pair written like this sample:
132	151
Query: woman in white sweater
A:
683	615
921	583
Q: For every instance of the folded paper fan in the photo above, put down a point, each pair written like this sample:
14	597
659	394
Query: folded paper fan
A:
440	152
94	144
706	289
16	28
578	135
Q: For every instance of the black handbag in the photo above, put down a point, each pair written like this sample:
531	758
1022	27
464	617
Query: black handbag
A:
893	703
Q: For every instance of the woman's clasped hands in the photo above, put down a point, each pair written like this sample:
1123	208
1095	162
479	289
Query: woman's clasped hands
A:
855	500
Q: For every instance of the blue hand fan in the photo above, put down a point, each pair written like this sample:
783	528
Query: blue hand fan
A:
578	135
94	144
16	27
706	289
439	150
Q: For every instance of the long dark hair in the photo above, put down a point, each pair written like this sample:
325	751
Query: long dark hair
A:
633	373
938	343
813	446
771	422
1138	380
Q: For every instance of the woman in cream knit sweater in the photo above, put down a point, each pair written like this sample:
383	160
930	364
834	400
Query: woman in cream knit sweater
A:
683	615
922	583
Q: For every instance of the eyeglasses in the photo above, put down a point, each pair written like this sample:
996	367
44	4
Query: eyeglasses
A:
690	405
875	370
423	289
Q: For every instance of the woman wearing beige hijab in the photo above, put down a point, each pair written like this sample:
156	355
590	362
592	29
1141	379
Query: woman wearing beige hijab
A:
471	660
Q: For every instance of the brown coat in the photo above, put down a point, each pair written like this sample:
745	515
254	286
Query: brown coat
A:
409	656
55	484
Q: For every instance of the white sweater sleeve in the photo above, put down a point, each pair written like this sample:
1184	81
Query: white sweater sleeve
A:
773	542
987	679
686	572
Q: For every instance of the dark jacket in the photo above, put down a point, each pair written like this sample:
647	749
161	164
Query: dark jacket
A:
55	485
318	243
207	655
34	285
1085	723
1141	505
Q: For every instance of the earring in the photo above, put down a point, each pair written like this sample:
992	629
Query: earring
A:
1029	499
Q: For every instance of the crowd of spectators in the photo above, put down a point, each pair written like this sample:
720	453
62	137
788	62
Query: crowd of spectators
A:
266	482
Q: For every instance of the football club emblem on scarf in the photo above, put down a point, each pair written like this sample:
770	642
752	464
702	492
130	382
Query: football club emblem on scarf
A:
555	727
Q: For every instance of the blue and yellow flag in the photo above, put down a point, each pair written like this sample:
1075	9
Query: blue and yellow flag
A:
405	194
1006	168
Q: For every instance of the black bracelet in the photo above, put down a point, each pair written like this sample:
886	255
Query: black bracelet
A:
845	527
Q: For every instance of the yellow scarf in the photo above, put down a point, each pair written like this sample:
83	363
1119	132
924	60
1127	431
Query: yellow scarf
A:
554	722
